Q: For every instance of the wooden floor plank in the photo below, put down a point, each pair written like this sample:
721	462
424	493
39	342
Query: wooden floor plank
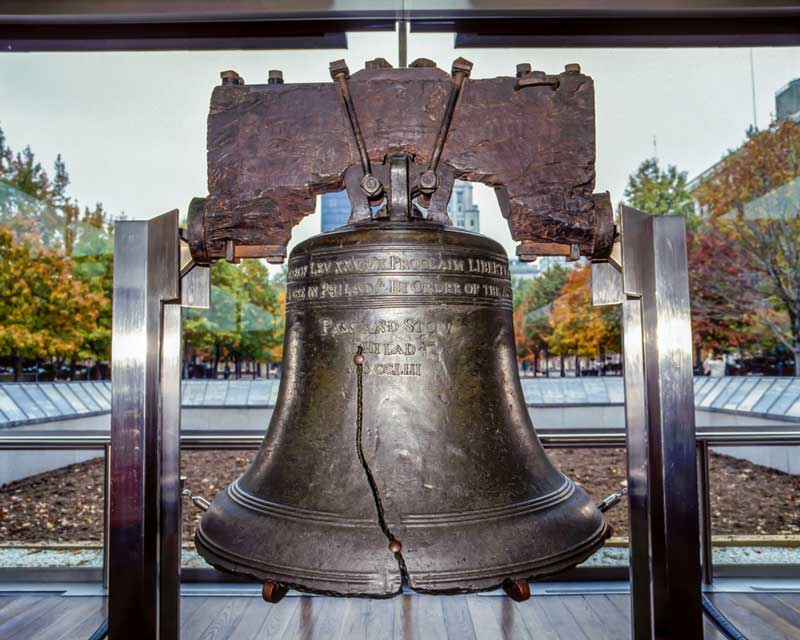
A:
594	626
85	628
279	617
741	615
766	616
509	617
457	620
428	617
403	619
29	611
560	619
252	619
535	621
75	611
54	617
614	624
328	618
353	625
790	600
483	619
787	613
194	622
379	622
228	617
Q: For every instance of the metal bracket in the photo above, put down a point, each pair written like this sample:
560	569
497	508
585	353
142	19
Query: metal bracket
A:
647	274
151	283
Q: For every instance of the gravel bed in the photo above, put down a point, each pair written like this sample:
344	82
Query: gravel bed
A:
66	505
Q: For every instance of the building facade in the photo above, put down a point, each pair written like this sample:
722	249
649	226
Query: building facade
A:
462	211
335	209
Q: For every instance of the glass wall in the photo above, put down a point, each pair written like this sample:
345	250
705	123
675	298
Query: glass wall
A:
91	138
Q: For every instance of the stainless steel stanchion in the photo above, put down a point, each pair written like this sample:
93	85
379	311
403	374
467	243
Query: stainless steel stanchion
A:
648	276
151	281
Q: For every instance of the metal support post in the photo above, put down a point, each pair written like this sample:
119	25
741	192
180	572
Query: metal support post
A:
704	490
106	512
145	527
649	278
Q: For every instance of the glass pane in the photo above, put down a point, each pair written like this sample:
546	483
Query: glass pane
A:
215	393
99	400
260	393
194	392
42	401
729	390
237	393
24	401
64	407
9	407
769	397
73	399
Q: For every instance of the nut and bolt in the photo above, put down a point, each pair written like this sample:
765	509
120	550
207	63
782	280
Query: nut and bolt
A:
230	77
275	76
428	182
523	69
573	67
371	186
378	63
461	66
339	68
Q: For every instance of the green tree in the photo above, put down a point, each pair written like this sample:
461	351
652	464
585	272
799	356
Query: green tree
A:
39	213
532	301
658	191
45	311
245	320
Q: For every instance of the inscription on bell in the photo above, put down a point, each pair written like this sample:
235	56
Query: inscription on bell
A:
398	263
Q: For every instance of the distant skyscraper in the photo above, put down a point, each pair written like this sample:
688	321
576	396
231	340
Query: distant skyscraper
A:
335	210
462	212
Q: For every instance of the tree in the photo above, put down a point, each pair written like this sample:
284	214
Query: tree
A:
245	320
658	191
579	327
44	311
723	297
42	217
767	227
531	311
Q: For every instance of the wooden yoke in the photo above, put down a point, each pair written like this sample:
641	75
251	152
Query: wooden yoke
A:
272	148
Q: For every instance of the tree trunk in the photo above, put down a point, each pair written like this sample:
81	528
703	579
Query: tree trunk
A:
577	366
602	361
17	367
563	371
546	363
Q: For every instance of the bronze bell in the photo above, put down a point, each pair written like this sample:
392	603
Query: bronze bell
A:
401	449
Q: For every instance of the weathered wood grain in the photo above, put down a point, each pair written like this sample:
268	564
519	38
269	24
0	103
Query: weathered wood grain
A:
273	148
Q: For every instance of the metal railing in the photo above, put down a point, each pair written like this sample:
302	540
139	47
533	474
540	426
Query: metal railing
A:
584	438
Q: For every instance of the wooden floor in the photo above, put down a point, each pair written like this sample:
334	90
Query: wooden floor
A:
760	616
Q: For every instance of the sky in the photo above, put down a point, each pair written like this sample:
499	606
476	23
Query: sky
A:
131	126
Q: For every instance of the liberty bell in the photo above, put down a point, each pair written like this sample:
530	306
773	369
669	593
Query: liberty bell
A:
400	450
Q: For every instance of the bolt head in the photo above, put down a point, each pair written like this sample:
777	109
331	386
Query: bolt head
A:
371	186
378	63
229	77
573	67
395	546
275	76
423	63
428	181
338	68
358	360
523	69
461	65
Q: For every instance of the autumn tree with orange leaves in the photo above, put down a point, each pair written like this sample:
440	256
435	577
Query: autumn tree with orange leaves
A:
757	191
580	328
45	311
